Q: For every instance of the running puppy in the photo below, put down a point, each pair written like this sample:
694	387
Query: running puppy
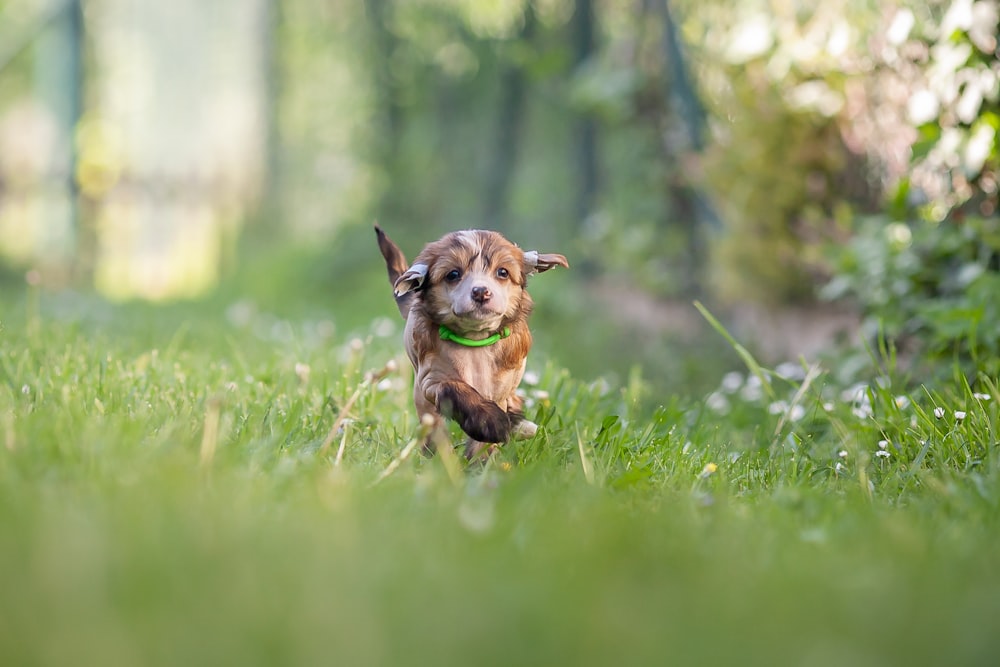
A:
466	310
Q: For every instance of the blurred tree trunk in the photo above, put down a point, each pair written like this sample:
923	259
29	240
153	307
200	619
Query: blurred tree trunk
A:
390	112
680	90
507	134
268	220
59	80
688	208
585	134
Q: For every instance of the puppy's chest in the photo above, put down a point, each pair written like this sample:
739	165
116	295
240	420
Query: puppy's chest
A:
477	367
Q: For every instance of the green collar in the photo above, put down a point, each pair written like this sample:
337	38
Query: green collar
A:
448	334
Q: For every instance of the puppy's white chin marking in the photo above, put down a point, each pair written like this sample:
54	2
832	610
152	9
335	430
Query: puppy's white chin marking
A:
476	321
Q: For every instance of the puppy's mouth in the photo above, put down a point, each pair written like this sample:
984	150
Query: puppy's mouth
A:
480	318
477	311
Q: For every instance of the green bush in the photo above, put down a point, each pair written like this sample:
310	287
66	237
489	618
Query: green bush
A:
930	290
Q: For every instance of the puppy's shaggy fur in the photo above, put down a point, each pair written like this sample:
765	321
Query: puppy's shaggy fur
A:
466	307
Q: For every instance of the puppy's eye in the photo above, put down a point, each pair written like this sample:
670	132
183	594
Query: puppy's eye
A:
503	274
452	276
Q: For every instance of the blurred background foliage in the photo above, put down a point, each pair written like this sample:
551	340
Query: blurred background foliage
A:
785	161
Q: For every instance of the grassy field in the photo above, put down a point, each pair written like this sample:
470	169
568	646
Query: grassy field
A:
175	488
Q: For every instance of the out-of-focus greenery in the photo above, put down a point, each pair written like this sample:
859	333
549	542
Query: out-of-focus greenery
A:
719	148
926	271
460	114
928	290
815	108
173	489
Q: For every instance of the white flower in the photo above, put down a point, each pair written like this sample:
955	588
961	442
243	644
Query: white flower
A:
863	411
856	392
960	415
752	390
883	454
981	397
530	378
882	444
600	386
384	327
25	389
303	371
828	406
732	381
939	413
842	453
902	402
839	468
778	407
797	413
717	402
790	370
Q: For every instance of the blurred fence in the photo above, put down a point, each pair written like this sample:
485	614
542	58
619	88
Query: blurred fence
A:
133	138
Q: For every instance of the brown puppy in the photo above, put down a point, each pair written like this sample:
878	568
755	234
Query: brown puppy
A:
466	311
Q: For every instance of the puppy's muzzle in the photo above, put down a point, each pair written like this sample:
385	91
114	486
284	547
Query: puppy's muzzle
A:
481	294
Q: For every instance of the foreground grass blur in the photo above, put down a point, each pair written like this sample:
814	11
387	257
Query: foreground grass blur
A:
170	493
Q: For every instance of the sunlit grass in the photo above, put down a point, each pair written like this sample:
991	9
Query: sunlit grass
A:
218	485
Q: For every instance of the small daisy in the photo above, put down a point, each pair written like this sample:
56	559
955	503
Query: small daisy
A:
790	370
863	411
302	370
939	413
732	381
981	397
778	407
960	414
717	402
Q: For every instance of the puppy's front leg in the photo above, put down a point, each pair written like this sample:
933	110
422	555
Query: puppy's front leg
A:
479	417
520	428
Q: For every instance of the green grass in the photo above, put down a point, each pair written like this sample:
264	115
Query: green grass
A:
166	498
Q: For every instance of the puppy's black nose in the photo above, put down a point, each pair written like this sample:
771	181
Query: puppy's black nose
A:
481	294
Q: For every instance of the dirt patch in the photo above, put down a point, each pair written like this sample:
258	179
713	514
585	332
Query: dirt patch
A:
774	333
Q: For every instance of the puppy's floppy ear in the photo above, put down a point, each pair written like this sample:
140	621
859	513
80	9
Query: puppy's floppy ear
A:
535	262
412	279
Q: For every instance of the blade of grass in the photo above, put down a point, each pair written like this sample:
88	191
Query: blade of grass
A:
426	425
813	373
752	365
210	433
370	379
588	468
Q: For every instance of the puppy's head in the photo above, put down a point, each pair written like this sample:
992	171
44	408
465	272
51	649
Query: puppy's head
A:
474	281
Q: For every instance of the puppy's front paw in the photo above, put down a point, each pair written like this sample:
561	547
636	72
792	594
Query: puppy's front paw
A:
481	419
525	429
